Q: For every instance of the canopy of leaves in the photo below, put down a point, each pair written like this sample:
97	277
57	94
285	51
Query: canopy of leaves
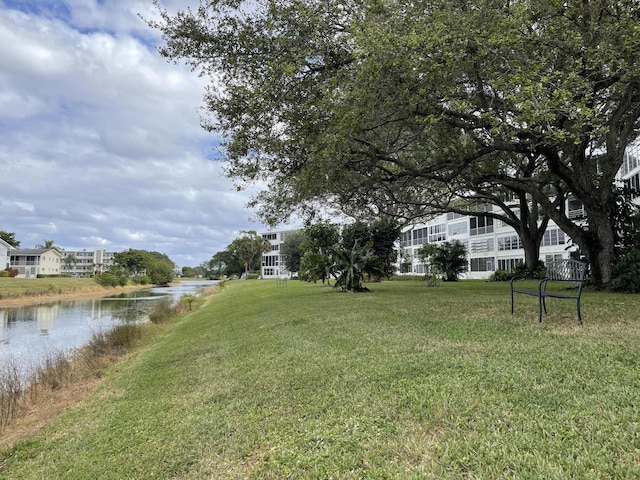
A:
10	238
393	107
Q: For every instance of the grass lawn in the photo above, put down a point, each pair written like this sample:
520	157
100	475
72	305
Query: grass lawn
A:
16	287
403	382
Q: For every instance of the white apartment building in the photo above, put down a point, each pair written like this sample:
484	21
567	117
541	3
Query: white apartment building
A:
272	265
491	244
87	262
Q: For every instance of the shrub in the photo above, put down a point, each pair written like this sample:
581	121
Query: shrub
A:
539	272
141	280
627	272
162	311
10	272
501	276
107	279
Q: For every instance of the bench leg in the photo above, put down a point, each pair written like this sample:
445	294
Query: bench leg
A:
512	302
541	305
579	312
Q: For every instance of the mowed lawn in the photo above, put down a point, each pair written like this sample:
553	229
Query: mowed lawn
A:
406	381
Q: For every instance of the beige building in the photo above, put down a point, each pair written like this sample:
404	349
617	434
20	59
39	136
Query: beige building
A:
31	262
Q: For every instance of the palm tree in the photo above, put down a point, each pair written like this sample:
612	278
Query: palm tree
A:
69	260
47	244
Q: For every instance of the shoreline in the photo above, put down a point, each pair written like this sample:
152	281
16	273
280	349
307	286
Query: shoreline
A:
81	293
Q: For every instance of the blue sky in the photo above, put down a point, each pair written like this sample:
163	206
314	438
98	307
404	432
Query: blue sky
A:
100	137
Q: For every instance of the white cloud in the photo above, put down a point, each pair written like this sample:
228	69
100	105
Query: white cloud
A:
101	142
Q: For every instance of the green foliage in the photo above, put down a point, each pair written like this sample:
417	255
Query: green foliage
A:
291	250
10	238
627	272
158	267
141	280
450	258
160	272
539	272
382	233
111	279
501	276
248	249
321	237
353	263
316	266
394	107
9	272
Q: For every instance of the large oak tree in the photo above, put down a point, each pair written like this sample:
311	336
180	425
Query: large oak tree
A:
387	104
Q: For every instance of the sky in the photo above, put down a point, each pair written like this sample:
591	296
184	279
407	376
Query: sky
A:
100	137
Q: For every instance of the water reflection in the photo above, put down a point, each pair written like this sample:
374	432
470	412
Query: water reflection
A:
30	333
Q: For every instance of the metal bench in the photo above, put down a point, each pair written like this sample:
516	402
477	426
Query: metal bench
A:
564	279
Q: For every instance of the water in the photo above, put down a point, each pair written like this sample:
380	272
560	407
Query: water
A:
30	334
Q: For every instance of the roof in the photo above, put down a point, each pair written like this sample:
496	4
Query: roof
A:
33	251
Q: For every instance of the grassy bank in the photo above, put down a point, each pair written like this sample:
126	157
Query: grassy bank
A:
19	287
403	382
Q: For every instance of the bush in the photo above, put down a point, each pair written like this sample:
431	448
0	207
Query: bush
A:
109	280
501	276
539	272
9	272
141	280
627	273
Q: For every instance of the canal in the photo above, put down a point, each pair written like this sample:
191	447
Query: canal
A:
30	334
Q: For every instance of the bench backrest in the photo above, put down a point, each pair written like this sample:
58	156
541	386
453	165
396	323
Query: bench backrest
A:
567	271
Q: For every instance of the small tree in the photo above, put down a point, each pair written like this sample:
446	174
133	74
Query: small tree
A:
292	251
353	263
449	257
69	260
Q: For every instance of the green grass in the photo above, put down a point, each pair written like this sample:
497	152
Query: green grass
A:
403	382
17	287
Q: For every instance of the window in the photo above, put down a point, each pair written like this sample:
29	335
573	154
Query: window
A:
576	208
634	183
270	236
270	261
275	248
510	242
419	236
267	272
552	258
405	239
478	246
483	264
460	228
480	225
437	233
509	264
419	269
553	236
